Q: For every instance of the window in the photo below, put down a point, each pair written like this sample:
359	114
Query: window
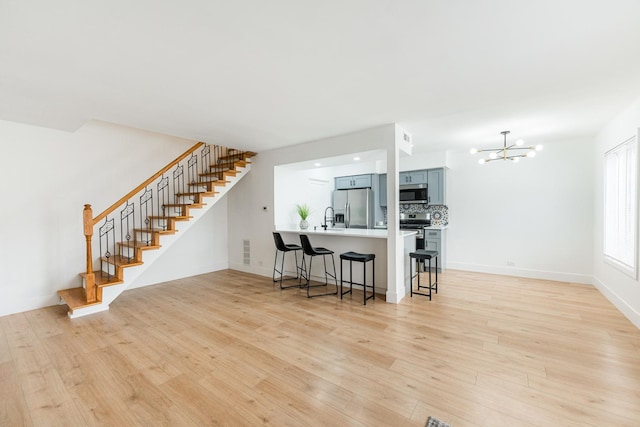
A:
620	206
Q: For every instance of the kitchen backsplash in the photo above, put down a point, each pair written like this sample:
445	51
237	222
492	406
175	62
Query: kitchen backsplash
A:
439	213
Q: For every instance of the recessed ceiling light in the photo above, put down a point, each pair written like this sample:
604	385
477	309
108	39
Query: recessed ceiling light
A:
317	164
356	158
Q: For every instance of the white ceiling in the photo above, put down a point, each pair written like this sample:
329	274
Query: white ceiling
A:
264	74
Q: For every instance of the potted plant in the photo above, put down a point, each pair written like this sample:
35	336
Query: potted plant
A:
303	210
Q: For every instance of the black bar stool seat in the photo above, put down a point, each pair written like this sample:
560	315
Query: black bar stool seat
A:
420	256
363	258
283	247
311	251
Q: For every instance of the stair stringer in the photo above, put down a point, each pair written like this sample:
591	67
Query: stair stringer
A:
130	274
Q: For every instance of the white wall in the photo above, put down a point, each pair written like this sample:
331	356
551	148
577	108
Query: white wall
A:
536	214
620	289
50	175
203	248
423	160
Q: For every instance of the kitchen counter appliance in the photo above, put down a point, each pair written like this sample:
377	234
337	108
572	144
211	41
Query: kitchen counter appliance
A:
416	222
353	208
414	193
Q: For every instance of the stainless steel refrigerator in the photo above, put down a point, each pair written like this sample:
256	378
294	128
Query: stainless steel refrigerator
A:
353	208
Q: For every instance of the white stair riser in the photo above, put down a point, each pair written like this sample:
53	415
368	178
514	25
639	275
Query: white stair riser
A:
173	211
108	268
145	236
186	199
162	224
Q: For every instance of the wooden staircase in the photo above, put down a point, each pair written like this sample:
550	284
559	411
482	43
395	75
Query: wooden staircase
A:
145	242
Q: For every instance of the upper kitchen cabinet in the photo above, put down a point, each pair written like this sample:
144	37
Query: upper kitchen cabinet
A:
354	181
383	189
435	190
413	177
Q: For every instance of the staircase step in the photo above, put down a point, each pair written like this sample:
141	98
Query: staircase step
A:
167	218
154	230
240	155
138	244
221	167
102	279
189	194
194	196
197	196
210	185
178	205
217	174
75	298
120	261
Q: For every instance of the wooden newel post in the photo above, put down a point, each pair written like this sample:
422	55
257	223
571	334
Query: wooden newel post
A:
89	279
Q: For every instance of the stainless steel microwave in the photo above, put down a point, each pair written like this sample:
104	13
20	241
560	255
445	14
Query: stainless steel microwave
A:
414	193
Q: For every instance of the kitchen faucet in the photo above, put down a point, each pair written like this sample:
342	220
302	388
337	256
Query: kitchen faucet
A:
333	213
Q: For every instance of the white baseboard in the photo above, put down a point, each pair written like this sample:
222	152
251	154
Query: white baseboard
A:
261	270
523	272
628	311
27	304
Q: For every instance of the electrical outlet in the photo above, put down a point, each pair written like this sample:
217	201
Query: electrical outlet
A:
511	263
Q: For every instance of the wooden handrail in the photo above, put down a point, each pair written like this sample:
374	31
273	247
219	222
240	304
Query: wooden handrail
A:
136	190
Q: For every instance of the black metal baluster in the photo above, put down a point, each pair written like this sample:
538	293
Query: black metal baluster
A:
178	185
163	196
192	172
205	156
146	204
127	226
104	231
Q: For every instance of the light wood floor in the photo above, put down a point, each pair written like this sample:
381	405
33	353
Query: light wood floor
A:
229	348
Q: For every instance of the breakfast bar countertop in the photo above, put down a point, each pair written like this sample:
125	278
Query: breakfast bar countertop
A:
346	232
436	227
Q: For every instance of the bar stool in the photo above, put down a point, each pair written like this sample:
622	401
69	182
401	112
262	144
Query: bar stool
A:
363	258
281	246
420	256
309	250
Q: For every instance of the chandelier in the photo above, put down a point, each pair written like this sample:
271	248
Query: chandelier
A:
511	152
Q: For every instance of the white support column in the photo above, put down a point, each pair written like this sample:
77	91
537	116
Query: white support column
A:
395	244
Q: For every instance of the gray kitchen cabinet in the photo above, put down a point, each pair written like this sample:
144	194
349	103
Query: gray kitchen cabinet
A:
433	242
354	181
413	177
435	191
383	189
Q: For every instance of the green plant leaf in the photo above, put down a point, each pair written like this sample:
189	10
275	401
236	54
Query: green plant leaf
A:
304	210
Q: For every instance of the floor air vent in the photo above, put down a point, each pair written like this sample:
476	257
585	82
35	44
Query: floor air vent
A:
246	252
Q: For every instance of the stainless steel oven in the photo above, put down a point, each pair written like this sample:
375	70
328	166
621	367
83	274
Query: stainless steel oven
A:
416	222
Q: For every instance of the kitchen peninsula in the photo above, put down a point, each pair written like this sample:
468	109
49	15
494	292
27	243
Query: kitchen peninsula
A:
342	240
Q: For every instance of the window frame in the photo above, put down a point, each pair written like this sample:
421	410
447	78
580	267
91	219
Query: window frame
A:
630	270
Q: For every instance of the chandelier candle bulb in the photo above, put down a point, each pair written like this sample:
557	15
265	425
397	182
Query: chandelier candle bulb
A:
511	152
